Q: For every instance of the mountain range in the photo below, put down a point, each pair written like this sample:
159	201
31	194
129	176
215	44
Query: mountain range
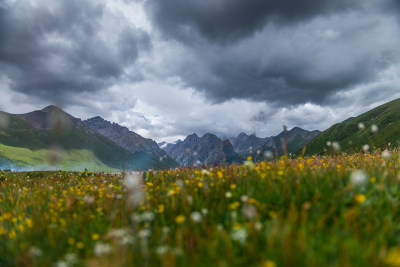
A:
294	139
53	139
209	149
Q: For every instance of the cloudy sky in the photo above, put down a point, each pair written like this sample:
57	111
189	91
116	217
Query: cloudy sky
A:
168	68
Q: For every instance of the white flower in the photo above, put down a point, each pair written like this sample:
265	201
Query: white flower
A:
147	216
204	211
336	146
228	194
258	226
127	240
358	177
145	233
361	126
88	199
189	199
35	252
386	154
234	215
244	198
62	264
365	148
117	233
134	183
328	143
249	211
101	249
133	180
249	164
71	258
196	217
268	154
180	183
205	172
161	250
374	128
239	235
165	230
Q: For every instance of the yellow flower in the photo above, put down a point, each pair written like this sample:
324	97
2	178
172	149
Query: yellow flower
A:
12	234
393	257
71	241
233	186
252	201
372	179
220	175
269	263
95	236
237	226
200	184
234	205
180	219
2	231
79	245
161	208
29	223
249	158
360	198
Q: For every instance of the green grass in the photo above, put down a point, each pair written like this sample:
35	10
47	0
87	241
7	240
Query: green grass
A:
287	212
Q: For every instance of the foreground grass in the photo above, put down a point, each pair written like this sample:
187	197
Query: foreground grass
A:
316	211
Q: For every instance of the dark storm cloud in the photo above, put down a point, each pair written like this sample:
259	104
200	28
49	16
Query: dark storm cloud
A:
58	48
285	52
229	20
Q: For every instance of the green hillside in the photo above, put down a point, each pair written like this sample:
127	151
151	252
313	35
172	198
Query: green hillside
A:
352	138
27	146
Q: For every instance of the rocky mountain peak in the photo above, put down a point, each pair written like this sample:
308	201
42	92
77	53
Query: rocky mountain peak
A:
209	150
96	119
127	139
51	108
192	136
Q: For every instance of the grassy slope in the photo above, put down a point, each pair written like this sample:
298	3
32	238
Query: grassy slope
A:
73	159
386	117
80	148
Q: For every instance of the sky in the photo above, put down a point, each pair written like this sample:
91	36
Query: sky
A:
168	68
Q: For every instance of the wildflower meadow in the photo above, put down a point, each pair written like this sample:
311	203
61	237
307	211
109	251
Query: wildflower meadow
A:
337	210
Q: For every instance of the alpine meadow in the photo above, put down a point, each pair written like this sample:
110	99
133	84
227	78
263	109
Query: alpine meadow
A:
199	133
